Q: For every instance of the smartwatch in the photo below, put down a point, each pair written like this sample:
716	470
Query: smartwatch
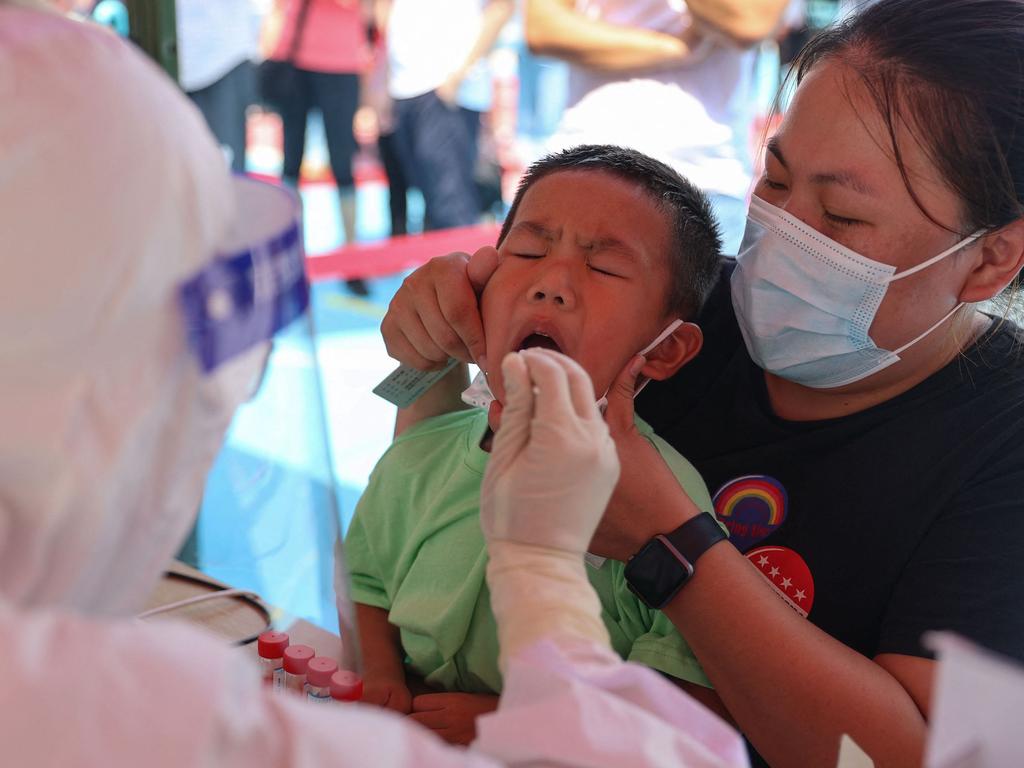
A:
665	563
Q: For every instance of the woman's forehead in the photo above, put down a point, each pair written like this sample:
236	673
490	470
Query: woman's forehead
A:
834	129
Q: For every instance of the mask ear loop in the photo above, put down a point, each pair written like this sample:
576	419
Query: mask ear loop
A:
923	265
912	342
602	404
661	337
927	263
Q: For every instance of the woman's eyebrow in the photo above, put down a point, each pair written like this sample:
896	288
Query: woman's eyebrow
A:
773	147
839	178
844	179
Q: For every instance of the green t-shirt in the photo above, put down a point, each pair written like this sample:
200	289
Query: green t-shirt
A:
415	549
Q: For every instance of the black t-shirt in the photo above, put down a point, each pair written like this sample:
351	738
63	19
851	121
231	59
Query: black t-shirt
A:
878	526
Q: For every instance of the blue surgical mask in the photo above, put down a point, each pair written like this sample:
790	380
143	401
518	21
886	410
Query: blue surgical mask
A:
805	303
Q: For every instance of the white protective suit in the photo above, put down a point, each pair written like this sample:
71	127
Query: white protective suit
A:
112	192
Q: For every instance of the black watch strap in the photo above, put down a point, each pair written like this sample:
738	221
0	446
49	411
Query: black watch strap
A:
665	563
696	536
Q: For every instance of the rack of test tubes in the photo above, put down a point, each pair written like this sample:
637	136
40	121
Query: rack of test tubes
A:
296	669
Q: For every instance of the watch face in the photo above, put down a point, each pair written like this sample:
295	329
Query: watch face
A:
656	573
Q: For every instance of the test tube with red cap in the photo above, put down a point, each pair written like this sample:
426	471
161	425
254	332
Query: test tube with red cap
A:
318	679
271	646
346	686
296	660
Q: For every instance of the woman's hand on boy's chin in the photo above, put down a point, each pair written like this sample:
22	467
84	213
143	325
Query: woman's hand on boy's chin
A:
648	499
435	315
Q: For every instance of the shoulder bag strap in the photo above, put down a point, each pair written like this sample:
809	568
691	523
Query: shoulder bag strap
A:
300	25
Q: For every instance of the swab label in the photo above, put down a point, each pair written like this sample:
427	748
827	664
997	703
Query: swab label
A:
405	385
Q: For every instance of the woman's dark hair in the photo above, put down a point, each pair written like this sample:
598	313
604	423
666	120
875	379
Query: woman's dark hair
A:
694	257
952	73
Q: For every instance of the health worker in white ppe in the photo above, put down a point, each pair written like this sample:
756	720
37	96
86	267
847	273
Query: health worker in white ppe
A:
116	390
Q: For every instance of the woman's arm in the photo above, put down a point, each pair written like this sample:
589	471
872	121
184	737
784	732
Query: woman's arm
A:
435	316
797	697
383	671
795	701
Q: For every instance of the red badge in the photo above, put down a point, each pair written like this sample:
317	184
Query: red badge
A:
788	574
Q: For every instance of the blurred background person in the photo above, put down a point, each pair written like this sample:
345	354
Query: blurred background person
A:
375	123
326	40
669	78
440	83
217	42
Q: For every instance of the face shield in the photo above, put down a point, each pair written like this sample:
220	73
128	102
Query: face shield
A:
269	520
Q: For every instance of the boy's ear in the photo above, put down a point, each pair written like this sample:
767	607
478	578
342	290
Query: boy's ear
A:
674	352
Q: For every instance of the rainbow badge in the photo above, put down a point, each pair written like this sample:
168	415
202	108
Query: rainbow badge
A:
751	507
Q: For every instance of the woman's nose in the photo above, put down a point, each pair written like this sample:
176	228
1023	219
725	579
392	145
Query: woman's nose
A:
802	208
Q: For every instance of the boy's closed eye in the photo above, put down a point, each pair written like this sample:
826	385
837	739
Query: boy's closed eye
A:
602	266
605	268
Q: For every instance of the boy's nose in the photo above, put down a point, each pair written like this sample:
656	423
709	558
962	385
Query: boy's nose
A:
555	286
557	298
563	298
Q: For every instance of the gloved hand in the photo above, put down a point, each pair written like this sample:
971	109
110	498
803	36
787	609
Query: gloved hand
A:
551	473
553	466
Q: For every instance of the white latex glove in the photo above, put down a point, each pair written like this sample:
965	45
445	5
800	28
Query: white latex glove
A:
552	471
553	466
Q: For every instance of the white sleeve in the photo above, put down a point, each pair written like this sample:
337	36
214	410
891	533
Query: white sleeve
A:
575	703
78	692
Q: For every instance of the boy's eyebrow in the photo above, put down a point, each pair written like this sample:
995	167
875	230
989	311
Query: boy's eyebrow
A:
612	244
601	244
537	229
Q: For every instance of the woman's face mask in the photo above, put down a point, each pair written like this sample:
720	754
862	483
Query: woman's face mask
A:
805	303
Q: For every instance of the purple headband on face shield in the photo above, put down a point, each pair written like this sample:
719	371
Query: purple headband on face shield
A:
256	286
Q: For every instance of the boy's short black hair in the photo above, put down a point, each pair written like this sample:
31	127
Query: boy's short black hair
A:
695	258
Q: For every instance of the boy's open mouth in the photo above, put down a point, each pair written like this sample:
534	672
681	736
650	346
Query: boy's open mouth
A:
539	340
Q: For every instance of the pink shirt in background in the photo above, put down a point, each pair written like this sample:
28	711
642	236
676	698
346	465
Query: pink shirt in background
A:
333	37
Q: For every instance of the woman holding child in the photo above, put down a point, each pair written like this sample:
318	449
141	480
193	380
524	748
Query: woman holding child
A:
855	414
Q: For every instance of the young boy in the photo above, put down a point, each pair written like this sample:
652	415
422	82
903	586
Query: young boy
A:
602	251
